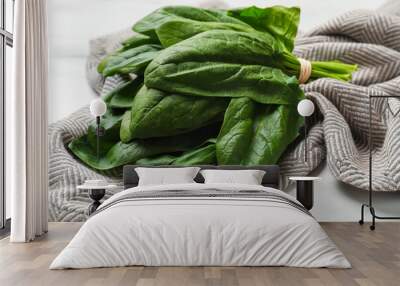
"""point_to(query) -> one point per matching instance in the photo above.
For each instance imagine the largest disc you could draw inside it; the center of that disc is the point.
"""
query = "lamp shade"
(305, 107)
(98, 107)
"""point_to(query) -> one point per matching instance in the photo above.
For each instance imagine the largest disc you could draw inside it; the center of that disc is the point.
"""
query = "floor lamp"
(305, 108)
(305, 184)
(98, 108)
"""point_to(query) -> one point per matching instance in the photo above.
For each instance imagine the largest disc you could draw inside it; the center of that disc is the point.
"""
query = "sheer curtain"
(26, 123)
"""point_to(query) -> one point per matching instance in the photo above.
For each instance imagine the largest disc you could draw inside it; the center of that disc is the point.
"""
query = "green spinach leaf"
(254, 134)
(279, 21)
(128, 153)
(134, 60)
(122, 96)
(204, 155)
(157, 114)
(149, 24)
(262, 84)
(137, 40)
(175, 31)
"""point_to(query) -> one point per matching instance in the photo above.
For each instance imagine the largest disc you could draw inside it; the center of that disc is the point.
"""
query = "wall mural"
(188, 85)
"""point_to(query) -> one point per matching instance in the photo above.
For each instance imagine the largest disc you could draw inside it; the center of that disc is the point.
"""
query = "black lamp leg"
(98, 137)
(361, 221)
(305, 140)
(372, 226)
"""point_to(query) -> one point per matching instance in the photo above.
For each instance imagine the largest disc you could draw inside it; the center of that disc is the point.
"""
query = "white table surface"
(304, 178)
(89, 187)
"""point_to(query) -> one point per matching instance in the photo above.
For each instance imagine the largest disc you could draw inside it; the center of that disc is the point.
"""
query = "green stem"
(331, 69)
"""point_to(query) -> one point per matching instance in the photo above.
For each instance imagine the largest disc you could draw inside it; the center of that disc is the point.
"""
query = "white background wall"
(72, 23)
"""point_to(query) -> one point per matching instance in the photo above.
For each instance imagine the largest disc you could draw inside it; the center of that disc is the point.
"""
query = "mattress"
(201, 225)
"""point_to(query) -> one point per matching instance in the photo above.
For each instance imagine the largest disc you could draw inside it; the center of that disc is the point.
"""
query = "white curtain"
(26, 123)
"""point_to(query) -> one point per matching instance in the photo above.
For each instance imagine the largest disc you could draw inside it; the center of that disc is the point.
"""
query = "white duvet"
(200, 231)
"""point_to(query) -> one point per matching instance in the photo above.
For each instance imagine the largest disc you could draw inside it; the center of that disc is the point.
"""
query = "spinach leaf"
(128, 153)
(137, 40)
(200, 156)
(149, 24)
(134, 60)
(279, 21)
(224, 46)
(125, 132)
(122, 96)
(236, 132)
(165, 159)
(254, 134)
(262, 84)
(175, 31)
(224, 64)
(157, 114)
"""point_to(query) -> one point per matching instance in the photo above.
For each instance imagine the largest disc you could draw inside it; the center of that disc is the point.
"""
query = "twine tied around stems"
(305, 70)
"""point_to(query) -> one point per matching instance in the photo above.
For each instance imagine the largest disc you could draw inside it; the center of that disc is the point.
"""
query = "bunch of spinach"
(209, 87)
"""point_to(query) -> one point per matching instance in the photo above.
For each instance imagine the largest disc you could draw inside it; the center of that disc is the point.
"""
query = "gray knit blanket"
(340, 127)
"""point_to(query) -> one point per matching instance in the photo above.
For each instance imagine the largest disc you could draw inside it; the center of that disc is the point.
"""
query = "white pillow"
(165, 176)
(247, 177)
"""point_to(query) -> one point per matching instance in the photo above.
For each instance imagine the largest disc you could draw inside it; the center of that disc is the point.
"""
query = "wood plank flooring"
(375, 257)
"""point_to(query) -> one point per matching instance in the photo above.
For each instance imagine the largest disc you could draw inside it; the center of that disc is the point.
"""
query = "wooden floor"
(375, 257)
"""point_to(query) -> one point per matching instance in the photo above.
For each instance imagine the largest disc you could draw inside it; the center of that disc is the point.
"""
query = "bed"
(201, 224)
